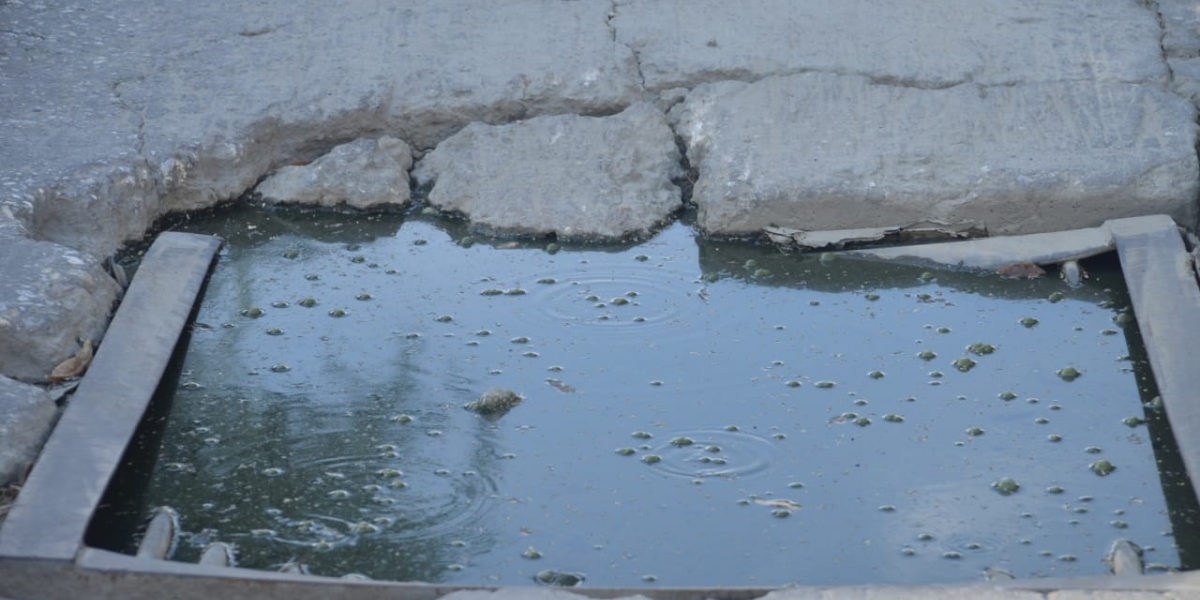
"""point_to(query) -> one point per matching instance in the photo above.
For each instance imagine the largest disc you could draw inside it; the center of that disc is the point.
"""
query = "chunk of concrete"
(27, 413)
(579, 178)
(52, 297)
(930, 45)
(363, 174)
(819, 151)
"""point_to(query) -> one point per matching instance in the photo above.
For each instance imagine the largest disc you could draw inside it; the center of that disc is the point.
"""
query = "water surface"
(814, 422)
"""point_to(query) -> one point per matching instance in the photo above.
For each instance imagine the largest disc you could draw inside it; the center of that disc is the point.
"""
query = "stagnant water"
(694, 414)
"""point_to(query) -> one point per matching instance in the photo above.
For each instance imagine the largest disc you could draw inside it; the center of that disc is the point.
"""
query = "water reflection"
(763, 383)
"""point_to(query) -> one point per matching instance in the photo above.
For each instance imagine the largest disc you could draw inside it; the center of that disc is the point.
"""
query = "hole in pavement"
(692, 413)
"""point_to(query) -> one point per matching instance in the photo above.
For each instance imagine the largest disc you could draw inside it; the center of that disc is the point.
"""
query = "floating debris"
(560, 386)
(1102, 467)
(74, 366)
(1125, 558)
(1006, 486)
(495, 401)
(997, 574)
(1021, 270)
(162, 534)
(559, 578)
(218, 554)
(1068, 373)
(777, 503)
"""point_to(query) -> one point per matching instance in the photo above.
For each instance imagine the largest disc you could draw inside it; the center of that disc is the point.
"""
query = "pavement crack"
(36, 36)
(1153, 6)
(613, 13)
(127, 106)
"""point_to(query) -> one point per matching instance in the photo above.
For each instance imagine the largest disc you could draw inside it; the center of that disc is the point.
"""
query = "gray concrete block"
(820, 151)
(579, 178)
(931, 44)
(52, 296)
(27, 413)
(363, 174)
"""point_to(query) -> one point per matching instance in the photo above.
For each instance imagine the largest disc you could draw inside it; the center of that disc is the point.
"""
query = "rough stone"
(579, 178)
(819, 151)
(52, 296)
(933, 44)
(27, 413)
(363, 174)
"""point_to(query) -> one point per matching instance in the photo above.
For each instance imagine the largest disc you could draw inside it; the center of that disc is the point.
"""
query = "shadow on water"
(696, 413)
(1183, 508)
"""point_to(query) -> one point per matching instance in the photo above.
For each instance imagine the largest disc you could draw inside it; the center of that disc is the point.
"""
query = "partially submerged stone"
(366, 173)
(578, 178)
(821, 151)
(495, 402)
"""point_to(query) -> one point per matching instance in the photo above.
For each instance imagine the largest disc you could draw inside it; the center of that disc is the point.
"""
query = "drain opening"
(695, 413)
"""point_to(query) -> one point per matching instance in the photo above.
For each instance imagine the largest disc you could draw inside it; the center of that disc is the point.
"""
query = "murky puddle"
(694, 414)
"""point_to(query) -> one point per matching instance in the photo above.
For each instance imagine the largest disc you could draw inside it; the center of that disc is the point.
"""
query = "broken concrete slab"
(296, 80)
(934, 45)
(996, 252)
(363, 174)
(53, 297)
(837, 239)
(818, 151)
(578, 178)
(208, 99)
(27, 414)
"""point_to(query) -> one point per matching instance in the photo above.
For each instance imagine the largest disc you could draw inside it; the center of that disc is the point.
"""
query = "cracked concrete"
(117, 115)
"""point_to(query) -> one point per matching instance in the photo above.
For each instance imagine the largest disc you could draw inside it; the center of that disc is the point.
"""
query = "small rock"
(363, 174)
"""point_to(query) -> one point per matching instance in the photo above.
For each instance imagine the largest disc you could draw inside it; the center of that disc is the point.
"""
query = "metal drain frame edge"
(42, 554)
